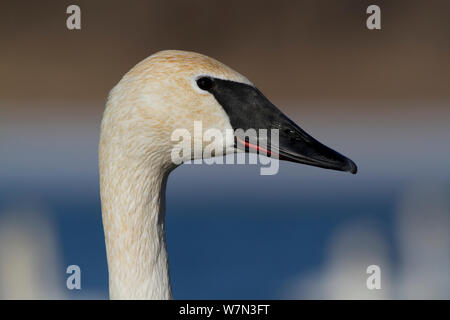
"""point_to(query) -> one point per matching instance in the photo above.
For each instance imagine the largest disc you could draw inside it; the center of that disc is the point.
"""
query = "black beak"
(248, 108)
(298, 146)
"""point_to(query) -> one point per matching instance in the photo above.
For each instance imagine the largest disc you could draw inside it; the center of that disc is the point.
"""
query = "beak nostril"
(290, 133)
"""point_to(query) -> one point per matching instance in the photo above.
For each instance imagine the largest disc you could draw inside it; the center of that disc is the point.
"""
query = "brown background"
(290, 49)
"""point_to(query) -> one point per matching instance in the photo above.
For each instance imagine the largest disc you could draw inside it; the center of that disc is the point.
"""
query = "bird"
(169, 90)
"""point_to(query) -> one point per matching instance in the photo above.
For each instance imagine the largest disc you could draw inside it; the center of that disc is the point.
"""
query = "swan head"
(174, 95)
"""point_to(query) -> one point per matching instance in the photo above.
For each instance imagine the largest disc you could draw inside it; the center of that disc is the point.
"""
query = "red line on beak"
(257, 148)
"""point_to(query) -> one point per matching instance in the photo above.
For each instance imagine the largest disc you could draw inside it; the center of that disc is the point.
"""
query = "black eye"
(205, 83)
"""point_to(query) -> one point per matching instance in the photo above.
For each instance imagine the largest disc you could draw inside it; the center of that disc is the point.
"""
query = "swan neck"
(133, 212)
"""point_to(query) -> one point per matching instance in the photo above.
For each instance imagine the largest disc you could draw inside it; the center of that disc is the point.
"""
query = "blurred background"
(381, 97)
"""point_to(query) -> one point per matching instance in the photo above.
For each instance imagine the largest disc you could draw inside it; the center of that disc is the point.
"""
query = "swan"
(168, 90)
